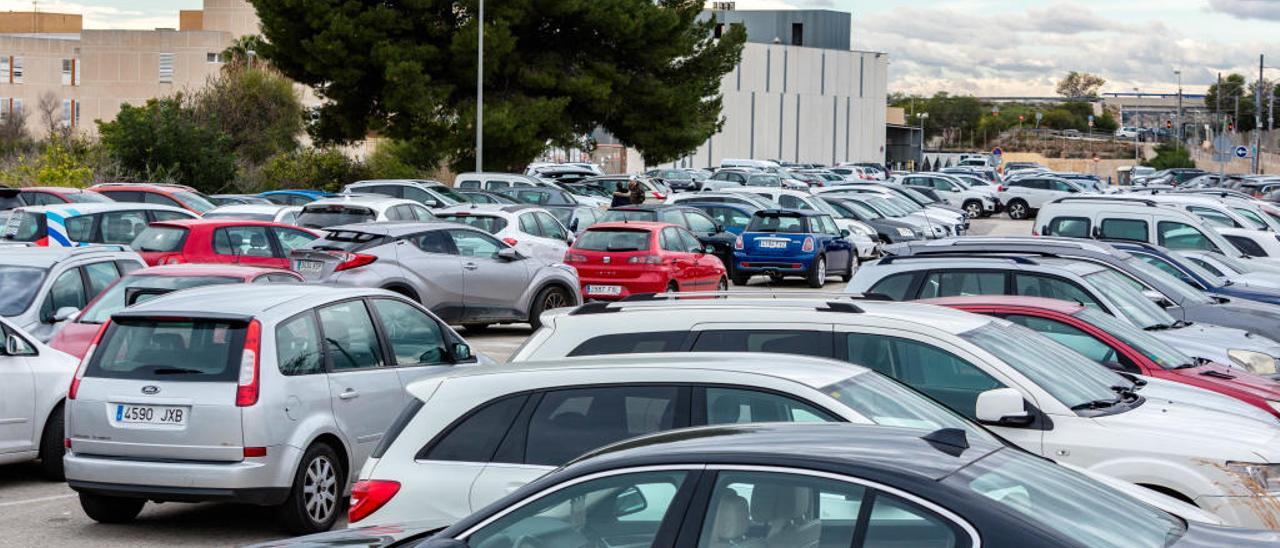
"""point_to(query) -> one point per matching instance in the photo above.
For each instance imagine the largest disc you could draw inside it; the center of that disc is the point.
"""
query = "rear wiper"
(326, 248)
(165, 370)
(618, 249)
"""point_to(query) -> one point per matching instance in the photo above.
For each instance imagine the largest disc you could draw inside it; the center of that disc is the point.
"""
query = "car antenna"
(951, 441)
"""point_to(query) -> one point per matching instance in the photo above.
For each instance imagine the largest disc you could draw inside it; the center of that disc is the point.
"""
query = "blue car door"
(839, 249)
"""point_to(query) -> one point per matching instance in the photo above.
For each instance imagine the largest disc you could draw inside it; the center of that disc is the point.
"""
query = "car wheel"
(550, 297)
(1018, 210)
(723, 285)
(848, 271)
(741, 279)
(818, 272)
(51, 445)
(316, 496)
(673, 287)
(476, 327)
(104, 509)
(973, 209)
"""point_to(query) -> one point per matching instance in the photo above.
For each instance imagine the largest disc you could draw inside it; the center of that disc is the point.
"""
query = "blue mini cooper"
(784, 242)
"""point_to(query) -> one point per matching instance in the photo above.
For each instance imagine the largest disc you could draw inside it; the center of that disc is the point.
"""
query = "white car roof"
(79, 209)
(506, 211)
(376, 201)
(258, 301)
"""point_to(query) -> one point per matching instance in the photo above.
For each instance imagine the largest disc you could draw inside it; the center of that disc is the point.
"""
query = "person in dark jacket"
(621, 196)
(636, 191)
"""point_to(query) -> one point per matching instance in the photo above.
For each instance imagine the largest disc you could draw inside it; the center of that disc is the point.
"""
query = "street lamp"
(480, 92)
(1181, 137)
(924, 116)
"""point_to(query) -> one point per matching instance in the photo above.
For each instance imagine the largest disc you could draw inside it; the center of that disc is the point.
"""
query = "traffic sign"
(1242, 151)
(997, 152)
(1039, 116)
(1223, 144)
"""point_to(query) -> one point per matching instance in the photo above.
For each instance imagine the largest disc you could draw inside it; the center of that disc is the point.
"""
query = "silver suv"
(41, 287)
(461, 273)
(267, 395)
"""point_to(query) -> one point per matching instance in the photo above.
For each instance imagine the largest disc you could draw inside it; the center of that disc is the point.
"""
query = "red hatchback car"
(1120, 346)
(181, 196)
(74, 336)
(48, 195)
(615, 260)
(236, 241)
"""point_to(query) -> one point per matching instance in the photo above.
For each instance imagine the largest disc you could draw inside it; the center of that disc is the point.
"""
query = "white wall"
(840, 97)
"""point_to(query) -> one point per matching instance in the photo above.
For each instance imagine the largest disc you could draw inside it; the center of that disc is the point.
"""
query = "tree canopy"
(163, 140)
(1080, 84)
(554, 70)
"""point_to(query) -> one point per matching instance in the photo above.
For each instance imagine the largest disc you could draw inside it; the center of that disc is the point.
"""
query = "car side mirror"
(509, 254)
(461, 352)
(432, 203)
(65, 313)
(1157, 297)
(719, 227)
(629, 501)
(845, 232)
(1002, 407)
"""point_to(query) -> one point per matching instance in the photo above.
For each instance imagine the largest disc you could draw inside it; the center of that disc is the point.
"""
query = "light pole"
(1178, 73)
(924, 117)
(480, 92)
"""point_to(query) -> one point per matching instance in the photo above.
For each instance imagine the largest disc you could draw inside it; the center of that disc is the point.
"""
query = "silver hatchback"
(253, 394)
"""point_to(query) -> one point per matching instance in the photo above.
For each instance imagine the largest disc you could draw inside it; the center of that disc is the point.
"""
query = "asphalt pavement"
(42, 513)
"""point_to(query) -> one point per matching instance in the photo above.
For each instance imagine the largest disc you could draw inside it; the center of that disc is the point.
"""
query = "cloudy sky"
(984, 47)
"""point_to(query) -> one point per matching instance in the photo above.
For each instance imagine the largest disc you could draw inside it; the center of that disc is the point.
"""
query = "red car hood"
(1233, 378)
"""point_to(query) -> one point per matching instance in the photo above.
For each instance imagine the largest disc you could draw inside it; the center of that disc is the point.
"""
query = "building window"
(10, 69)
(71, 72)
(213, 58)
(166, 68)
(797, 34)
(70, 113)
(9, 105)
(719, 32)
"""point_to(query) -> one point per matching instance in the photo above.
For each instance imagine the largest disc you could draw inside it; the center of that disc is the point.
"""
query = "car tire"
(722, 285)
(973, 208)
(673, 287)
(552, 296)
(318, 470)
(1018, 210)
(848, 270)
(51, 445)
(817, 276)
(741, 279)
(104, 509)
(476, 327)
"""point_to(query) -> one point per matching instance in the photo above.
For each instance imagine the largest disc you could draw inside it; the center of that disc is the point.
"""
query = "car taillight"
(88, 355)
(367, 496)
(645, 259)
(354, 260)
(737, 244)
(575, 258)
(1000, 188)
(808, 245)
(510, 241)
(247, 386)
(171, 259)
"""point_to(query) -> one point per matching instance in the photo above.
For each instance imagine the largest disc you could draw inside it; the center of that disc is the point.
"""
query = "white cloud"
(1268, 10)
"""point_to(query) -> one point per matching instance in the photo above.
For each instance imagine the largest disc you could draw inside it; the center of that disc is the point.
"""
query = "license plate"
(773, 244)
(151, 414)
(310, 267)
(604, 290)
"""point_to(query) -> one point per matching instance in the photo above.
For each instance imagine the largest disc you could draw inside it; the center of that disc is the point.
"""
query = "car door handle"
(348, 394)
(470, 266)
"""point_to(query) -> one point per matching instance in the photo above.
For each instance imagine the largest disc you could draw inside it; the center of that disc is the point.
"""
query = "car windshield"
(1185, 294)
(487, 223)
(904, 204)
(888, 207)
(1153, 348)
(243, 216)
(194, 201)
(764, 180)
(862, 209)
(916, 196)
(1071, 378)
(886, 402)
(613, 239)
(1133, 304)
(18, 287)
(1063, 500)
(620, 215)
(326, 215)
(451, 196)
(86, 197)
(113, 299)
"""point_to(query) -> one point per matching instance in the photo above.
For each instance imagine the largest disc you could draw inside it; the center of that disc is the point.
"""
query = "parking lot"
(39, 512)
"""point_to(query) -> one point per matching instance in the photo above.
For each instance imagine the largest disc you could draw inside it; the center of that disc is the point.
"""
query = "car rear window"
(348, 240)
(21, 226)
(486, 223)
(268, 217)
(785, 224)
(187, 350)
(615, 239)
(327, 215)
(86, 197)
(160, 238)
(620, 215)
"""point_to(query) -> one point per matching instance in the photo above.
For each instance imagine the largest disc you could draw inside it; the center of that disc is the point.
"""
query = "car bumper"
(1261, 512)
(645, 283)
(256, 481)
(867, 247)
(771, 265)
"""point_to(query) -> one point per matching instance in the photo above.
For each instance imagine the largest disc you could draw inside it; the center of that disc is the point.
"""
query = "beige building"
(63, 75)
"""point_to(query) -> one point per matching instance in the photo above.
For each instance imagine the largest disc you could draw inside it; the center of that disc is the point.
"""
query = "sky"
(980, 47)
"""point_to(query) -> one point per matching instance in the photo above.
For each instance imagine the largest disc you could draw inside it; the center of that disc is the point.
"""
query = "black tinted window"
(807, 343)
(1246, 245)
(632, 343)
(476, 437)
(193, 351)
(568, 423)
(1124, 229)
(1068, 227)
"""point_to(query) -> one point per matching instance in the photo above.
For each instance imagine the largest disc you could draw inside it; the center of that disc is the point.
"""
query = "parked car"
(179, 196)
(72, 225)
(233, 241)
(533, 231)
(1118, 217)
(862, 236)
(295, 197)
(47, 195)
(274, 213)
(1242, 272)
(905, 202)
(782, 242)
(494, 182)
(655, 191)
(1024, 196)
(888, 230)
(708, 232)
(677, 179)
(732, 216)
(745, 199)
(231, 393)
(74, 336)
(577, 218)
(541, 196)
(238, 199)
(443, 455)
(460, 273)
(432, 194)
(1189, 267)
(1121, 346)
(351, 209)
(999, 266)
(485, 197)
(1100, 421)
(35, 380)
(976, 202)
(40, 287)
(617, 260)
(1130, 133)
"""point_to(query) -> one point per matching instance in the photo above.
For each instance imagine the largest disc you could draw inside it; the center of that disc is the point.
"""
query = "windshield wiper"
(1158, 327)
(1096, 404)
(1180, 324)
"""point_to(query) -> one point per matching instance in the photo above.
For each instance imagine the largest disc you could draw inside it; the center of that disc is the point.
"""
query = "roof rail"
(835, 302)
(969, 253)
(1148, 203)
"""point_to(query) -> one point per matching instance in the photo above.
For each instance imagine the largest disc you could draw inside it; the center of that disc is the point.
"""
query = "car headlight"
(1266, 476)
(905, 232)
(863, 230)
(1255, 362)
